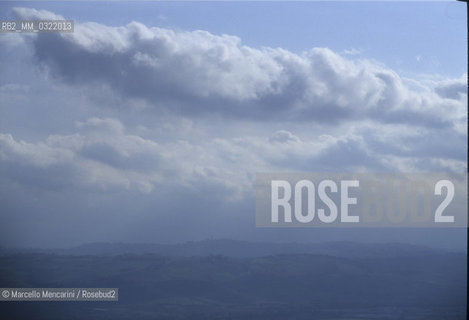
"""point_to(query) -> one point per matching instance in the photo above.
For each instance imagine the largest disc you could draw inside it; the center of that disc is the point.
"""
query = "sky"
(149, 122)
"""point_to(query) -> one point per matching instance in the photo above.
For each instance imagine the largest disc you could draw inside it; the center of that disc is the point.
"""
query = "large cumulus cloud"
(199, 73)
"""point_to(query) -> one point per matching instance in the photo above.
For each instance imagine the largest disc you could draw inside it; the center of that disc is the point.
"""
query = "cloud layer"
(164, 129)
(371, 118)
(197, 73)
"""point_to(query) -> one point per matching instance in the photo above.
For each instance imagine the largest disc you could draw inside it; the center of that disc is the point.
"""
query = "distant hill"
(243, 249)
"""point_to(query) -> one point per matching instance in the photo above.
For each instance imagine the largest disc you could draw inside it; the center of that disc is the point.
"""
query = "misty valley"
(224, 279)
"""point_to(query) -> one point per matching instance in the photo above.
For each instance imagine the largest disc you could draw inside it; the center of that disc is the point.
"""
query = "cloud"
(196, 73)
(283, 136)
(352, 52)
(34, 14)
(452, 88)
(103, 154)
(375, 120)
(100, 155)
(164, 129)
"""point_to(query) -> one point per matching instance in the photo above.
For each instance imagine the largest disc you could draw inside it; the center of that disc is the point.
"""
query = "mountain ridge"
(241, 249)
